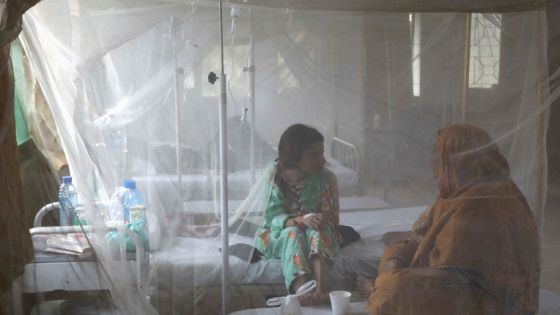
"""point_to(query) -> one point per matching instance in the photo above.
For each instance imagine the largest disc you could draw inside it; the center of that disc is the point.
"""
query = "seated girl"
(302, 213)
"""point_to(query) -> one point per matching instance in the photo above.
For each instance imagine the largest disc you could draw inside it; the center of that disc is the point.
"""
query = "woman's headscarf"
(466, 155)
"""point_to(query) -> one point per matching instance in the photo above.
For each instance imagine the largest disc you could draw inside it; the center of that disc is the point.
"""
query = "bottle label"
(137, 212)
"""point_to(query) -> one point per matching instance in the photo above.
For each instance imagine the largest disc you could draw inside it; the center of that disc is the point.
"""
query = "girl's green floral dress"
(295, 245)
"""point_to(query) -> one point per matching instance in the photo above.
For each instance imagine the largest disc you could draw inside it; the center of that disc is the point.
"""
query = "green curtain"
(20, 97)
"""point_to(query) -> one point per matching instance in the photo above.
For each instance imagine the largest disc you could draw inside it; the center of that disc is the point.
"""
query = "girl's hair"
(294, 141)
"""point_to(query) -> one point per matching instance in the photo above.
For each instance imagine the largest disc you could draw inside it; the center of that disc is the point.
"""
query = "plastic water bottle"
(134, 213)
(134, 208)
(68, 200)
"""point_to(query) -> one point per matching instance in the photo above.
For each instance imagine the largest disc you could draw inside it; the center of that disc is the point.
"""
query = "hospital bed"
(179, 274)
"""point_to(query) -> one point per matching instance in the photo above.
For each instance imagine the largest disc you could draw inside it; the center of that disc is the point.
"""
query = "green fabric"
(139, 227)
(296, 245)
(20, 100)
(22, 131)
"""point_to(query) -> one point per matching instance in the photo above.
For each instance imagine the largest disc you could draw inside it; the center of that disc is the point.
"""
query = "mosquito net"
(134, 92)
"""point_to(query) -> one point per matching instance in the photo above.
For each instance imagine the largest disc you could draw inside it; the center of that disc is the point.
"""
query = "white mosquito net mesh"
(127, 83)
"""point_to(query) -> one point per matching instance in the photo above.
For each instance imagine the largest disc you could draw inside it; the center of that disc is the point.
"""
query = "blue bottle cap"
(67, 179)
(129, 183)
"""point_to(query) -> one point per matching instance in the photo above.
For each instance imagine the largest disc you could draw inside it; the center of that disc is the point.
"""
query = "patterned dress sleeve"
(275, 214)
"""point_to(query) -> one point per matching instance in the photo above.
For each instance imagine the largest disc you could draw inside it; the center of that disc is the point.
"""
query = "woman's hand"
(315, 221)
(392, 264)
(398, 255)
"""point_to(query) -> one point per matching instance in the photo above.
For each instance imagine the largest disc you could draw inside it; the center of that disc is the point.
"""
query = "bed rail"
(346, 153)
(142, 257)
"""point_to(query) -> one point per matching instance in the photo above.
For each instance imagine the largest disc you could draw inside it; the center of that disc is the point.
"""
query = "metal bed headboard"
(346, 153)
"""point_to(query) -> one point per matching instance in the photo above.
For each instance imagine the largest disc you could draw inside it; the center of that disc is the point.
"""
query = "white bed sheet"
(359, 258)
(203, 269)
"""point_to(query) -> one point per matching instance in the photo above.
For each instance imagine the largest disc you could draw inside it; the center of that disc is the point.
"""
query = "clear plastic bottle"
(68, 199)
(134, 213)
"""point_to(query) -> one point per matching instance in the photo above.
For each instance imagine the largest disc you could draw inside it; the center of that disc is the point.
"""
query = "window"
(484, 63)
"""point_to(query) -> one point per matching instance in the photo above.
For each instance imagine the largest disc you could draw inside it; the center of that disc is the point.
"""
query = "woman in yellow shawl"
(475, 250)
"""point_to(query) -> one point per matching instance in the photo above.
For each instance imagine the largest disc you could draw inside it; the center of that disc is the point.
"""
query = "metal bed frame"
(50, 272)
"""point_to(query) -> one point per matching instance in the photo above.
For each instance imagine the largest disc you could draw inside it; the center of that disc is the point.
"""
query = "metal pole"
(251, 70)
(388, 78)
(177, 72)
(223, 173)
(466, 66)
(541, 149)
(541, 136)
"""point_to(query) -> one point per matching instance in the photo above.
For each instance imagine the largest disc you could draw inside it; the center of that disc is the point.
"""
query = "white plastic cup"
(340, 301)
